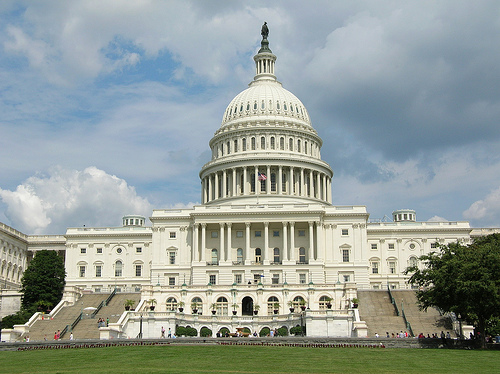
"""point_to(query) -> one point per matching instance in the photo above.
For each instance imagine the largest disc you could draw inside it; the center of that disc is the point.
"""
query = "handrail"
(408, 324)
(75, 322)
(393, 301)
(110, 297)
(99, 307)
(103, 303)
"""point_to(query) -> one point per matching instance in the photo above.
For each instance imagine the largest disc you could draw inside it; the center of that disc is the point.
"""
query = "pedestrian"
(162, 333)
(107, 322)
(71, 337)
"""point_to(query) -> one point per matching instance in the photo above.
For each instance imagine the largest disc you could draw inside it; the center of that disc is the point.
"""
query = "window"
(302, 255)
(83, 250)
(276, 233)
(212, 279)
(236, 146)
(238, 278)
(302, 278)
(347, 278)
(323, 301)
(258, 234)
(290, 144)
(282, 144)
(273, 143)
(275, 279)
(118, 268)
(243, 144)
(196, 303)
(302, 232)
(171, 281)
(298, 301)
(215, 257)
(222, 306)
(391, 245)
(345, 255)
(138, 250)
(392, 267)
(214, 234)
(434, 245)
(119, 250)
(239, 255)
(239, 234)
(262, 143)
(257, 278)
(374, 246)
(172, 234)
(345, 232)
(413, 261)
(98, 271)
(138, 270)
(270, 304)
(258, 255)
(273, 182)
(374, 265)
(82, 271)
(171, 258)
(99, 250)
(171, 304)
(253, 143)
(276, 255)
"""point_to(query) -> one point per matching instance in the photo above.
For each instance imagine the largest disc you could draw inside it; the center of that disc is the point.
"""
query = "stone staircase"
(87, 328)
(429, 322)
(376, 310)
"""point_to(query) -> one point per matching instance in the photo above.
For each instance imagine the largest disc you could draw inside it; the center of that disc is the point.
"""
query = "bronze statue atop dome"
(264, 31)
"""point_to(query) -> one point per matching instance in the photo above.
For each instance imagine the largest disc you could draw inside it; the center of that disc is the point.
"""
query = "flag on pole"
(262, 177)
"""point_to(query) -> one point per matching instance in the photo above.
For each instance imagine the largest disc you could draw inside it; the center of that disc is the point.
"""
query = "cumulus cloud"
(65, 198)
(437, 219)
(486, 210)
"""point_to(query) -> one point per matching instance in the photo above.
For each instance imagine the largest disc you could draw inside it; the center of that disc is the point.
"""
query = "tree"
(43, 281)
(462, 279)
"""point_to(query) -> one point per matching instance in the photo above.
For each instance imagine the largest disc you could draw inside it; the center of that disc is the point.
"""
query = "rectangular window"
(374, 267)
(347, 278)
(171, 258)
(98, 271)
(171, 281)
(238, 278)
(138, 270)
(276, 233)
(275, 279)
(83, 250)
(345, 255)
(82, 271)
(214, 234)
(172, 235)
(302, 232)
(391, 245)
(302, 278)
(345, 232)
(138, 250)
(213, 278)
(434, 245)
(258, 234)
(239, 234)
(374, 246)
(392, 267)
(257, 278)
(99, 250)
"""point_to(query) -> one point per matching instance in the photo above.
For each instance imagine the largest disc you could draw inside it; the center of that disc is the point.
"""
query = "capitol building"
(265, 240)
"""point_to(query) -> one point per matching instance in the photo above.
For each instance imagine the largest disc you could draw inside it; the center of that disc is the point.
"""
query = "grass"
(247, 359)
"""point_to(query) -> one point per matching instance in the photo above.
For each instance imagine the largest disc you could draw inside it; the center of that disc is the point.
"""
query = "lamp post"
(460, 335)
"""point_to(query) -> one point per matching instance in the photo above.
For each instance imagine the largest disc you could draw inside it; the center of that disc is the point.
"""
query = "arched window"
(290, 144)
(262, 142)
(413, 261)
(171, 304)
(239, 255)
(323, 301)
(271, 304)
(235, 146)
(283, 182)
(253, 143)
(118, 268)
(374, 265)
(282, 143)
(298, 146)
(222, 149)
(298, 301)
(258, 255)
(215, 257)
(222, 306)
(244, 144)
(252, 183)
(276, 255)
(305, 147)
(228, 148)
(273, 182)
(273, 144)
(196, 303)
(302, 255)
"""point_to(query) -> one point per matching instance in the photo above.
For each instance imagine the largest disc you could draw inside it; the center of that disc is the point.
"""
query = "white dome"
(265, 98)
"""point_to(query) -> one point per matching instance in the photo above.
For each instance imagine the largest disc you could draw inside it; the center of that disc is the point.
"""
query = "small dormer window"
(284, 106)
(248, 106)
(263, 105)
(255, 106)
(278, 105)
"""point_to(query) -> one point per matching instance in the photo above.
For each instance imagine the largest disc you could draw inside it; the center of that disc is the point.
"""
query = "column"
(245, 183)
(257, 182)
(302, 184)
(280, 180)
(203, 241)
(224, 184)
(329, 192)
(266, 243)
(234, 193)
(312, 255)
(290, 181)
(320, 246)
(292, 242)
(229, 256)
(222, 250)
(324, 187)
(216, 175)
(210, 188)
(318, 195)
(311, 192)
(248, 259)
(285, 241)
(268, 180)
(194, 254)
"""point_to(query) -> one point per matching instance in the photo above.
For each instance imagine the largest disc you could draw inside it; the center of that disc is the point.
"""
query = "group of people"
(103, 322)
(170, 335)
(57, 335)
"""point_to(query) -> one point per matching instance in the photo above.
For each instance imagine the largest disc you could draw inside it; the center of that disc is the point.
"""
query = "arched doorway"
(247, 306)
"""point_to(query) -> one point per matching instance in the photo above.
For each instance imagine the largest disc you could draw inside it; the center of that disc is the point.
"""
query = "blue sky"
(107, 107)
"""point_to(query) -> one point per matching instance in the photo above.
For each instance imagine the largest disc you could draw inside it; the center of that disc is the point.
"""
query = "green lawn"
(248, 359)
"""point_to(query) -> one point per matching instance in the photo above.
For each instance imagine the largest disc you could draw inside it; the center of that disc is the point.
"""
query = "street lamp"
(460, 326)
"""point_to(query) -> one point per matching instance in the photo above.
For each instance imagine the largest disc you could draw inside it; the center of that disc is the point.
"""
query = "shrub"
(205, 332)
(283, 331)
(264, 332)
(191, 331)
(297, 330)
(180, 331)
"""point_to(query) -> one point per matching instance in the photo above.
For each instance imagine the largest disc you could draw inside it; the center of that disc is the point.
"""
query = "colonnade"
(266, 180)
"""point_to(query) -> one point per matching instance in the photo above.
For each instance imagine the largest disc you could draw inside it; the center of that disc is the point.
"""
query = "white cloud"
(437, 219)
(65, 198)
(486, 210)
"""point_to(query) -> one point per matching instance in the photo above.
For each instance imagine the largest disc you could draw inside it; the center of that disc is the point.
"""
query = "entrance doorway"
(247, 306)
